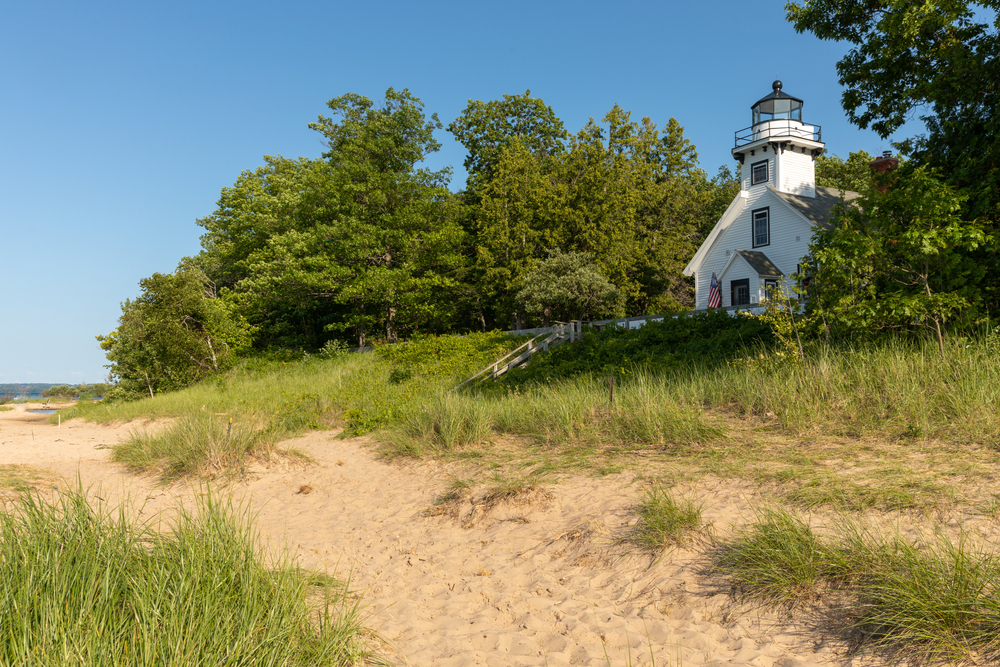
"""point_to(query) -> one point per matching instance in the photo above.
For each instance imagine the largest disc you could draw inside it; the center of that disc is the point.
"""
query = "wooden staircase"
(548, 337)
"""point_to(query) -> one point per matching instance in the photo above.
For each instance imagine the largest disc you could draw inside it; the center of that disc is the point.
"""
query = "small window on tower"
(758, 172)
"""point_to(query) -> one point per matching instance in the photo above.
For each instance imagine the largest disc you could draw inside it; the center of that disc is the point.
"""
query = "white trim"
(728, 265)
(735, 209)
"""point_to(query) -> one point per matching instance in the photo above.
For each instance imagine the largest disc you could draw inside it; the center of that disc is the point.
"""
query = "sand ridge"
(532, 584)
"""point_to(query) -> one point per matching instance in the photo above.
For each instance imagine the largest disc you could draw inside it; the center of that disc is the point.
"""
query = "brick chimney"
(883, 164)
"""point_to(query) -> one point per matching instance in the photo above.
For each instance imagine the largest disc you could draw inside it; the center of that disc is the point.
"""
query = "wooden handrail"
(496, 363)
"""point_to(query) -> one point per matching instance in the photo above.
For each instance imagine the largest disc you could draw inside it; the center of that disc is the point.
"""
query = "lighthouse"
(762, 239)
(779, 148)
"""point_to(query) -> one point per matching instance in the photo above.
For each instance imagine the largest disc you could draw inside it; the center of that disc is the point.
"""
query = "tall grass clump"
(85, 585)
(664, 519)
(932, 599)
(197, 444)
(572, 411)
(778, 559)
(894, 388)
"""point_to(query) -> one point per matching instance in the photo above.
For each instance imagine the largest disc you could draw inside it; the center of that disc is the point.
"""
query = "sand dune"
(523, 584)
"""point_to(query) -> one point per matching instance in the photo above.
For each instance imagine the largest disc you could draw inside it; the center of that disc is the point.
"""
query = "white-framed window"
(758, 172)
(761, 227)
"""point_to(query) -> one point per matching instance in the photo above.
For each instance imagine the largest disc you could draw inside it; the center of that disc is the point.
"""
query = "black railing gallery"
(778, 128)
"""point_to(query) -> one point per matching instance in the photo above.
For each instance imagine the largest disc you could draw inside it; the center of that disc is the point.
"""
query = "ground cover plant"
(87, 585)
(933, 598)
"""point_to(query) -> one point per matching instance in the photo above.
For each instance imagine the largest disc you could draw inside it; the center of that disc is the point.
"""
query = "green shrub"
(704, 338)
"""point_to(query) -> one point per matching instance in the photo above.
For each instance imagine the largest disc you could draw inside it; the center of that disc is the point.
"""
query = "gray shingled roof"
(759, 262)
(816, 209)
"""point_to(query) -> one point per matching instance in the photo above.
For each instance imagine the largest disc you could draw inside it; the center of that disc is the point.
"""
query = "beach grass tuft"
(87, 585)
(664, 519)
(932, 598)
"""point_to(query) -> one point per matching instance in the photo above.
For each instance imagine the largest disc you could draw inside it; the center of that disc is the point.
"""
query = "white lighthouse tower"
(760, 241)
(778, 148)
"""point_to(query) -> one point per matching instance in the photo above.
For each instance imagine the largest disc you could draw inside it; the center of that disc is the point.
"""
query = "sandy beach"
(543, 582)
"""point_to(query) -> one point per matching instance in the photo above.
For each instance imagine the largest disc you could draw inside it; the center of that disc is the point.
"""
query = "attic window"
(758, 172)
(761, 227)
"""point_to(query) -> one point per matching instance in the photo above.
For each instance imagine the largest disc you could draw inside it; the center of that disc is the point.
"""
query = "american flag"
(714, 295)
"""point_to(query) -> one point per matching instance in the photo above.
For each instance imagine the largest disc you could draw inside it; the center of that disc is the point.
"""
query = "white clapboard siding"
(797, 173)
(789, 243)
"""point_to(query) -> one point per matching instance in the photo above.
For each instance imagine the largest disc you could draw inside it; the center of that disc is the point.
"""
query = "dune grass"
(934, 599)
(903, 393)
(664, 520)
(86, 585)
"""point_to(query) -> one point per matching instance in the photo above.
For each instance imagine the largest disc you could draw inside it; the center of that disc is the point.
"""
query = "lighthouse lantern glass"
(775, 109)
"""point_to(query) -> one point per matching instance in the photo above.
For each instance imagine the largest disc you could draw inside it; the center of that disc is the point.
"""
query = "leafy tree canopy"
(567, 286)
(487, 129)
(937, 57)
(175, 333)
(897, 259)
(853, 174)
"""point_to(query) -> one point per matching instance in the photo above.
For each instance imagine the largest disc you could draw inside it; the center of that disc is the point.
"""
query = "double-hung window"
(758, 172)
(761, 227)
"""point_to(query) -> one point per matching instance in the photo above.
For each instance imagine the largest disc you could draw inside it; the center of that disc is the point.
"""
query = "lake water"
(43, 412)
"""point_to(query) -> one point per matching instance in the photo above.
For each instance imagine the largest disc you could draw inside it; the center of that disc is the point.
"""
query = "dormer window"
(758, 172)
(761, 227)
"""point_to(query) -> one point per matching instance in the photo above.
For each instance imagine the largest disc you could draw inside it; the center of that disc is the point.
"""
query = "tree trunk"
(546, 316)
(361, 327)
(215, 363)
(390, 325)
(148, 384)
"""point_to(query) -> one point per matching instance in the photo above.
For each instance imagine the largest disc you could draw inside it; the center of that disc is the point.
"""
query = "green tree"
(175, 333)
(941, 60)
(487, 129)
(896, 260)
(853, 174)
(567, 286)
(361, 239)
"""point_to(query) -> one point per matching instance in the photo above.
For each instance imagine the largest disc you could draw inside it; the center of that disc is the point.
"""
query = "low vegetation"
(851, 427)
(935, 599)
(86, 585)
(664, 520)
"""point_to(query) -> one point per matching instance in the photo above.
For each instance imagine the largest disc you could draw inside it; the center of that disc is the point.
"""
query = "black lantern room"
(777, 106)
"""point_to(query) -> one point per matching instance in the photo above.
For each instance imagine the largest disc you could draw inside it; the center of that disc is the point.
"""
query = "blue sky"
(121, 122)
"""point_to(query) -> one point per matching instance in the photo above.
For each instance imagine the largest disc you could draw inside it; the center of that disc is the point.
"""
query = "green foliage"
(487, 129)
(897, 260)
(567, 286)
(940, 58)
(627, 193)
(359, 240)
(89, 586)
(700, 339)
(851, 175)
(82, 391)
(452, 358)
(175, 333)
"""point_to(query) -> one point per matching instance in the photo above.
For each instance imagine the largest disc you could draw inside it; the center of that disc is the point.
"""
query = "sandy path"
(527, 585)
